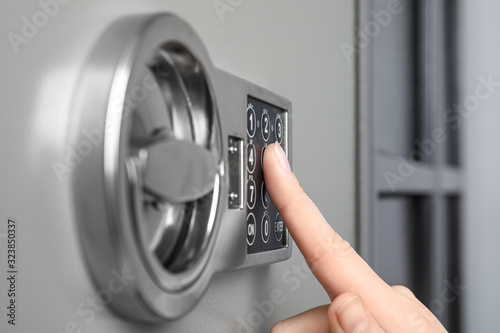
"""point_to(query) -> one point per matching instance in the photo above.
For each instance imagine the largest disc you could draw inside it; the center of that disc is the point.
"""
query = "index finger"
(332, 260)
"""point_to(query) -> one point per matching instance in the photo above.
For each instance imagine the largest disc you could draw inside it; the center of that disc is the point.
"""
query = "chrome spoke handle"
(179, 171)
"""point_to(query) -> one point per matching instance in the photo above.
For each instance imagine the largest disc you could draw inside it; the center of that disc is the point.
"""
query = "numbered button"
(278, 227)
(251, 157)
(264, 195)
(264, 230)
(266, 126)
(251, 122)
(262, 153)
(251, 193)
(279, 130)
(251, 229)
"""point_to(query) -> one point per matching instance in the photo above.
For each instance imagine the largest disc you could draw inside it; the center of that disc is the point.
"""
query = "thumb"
(349, 314)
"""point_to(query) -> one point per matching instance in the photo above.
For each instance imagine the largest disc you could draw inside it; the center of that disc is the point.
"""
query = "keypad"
(266, 124)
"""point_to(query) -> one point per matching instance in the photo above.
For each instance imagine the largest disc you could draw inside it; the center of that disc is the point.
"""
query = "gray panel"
(402, 242)
(392, 245)
(480, 56)
(393, 63)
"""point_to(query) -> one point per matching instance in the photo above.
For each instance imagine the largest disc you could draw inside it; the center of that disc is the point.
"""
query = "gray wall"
(480, 57)
(290, 47)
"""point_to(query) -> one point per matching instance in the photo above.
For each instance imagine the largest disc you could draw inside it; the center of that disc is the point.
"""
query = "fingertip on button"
(281, 156)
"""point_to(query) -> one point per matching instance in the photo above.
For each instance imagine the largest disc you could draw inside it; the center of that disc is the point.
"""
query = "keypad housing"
(266, 124)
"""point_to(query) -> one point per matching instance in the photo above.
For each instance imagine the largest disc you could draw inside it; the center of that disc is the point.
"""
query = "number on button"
(252, 195)
(279, 130)
(265, 126)
(265, 228)
(251, 122)
(251, 158)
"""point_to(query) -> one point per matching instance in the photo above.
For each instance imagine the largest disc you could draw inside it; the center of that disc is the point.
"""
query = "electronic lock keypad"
(171, 189)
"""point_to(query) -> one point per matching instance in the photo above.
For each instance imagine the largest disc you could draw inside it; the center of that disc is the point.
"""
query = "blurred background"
(427, 93)
(395, 127)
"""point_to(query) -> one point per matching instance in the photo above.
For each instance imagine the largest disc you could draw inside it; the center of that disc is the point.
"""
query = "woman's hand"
(361, 300)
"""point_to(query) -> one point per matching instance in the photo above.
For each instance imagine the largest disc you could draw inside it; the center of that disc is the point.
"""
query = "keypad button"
(252, 157)
(279, 130)
(262, 153)
(251, 193)
(251, 122)
(265, 126)
(264, 195)
(264, 228)
(251, 229)
(278, 227)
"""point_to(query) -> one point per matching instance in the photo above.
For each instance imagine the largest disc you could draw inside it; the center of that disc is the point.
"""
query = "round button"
(252, 155)
(279, 130)
(251, 122)
(266, 126)
(278, 227)
(264, 228)
(264, 195)
(251, 193)
(251, 225)
(262, 153)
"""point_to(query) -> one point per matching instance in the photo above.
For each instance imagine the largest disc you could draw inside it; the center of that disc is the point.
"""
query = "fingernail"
(280, 154)
(351, 316)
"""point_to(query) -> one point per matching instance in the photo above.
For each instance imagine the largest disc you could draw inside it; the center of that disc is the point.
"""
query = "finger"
(349, 314)
(404, 291)
(314, 320)
(331, 259)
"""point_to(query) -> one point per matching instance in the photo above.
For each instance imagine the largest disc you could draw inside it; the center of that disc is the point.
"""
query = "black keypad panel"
(266, 124)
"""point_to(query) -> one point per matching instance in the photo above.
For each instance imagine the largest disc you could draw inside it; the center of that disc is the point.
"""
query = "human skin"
(361, 301)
